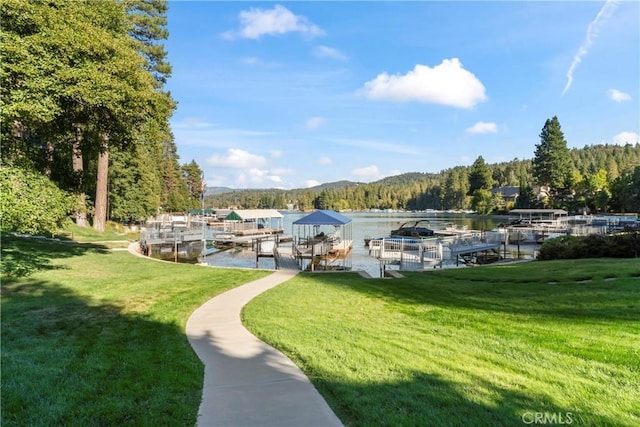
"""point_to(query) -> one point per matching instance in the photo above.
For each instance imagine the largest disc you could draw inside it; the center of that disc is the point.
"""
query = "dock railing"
(408, 254)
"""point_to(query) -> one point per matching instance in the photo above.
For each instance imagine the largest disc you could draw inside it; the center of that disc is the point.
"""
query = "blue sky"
(294, 94)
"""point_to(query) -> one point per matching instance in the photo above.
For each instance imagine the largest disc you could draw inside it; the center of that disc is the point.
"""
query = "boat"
(416, 229)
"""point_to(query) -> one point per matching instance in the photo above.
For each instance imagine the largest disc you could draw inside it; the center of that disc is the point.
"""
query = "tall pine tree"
(552, 164)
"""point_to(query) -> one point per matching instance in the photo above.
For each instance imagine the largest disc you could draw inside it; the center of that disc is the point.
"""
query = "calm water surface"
(364, 224)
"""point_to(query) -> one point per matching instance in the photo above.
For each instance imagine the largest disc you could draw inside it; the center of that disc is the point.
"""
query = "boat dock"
(468, 247)
(324, 254)
(470, 252)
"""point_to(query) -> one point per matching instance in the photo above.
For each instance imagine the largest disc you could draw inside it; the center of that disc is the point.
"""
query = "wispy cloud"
(447, 83)
(194, 132)
(592, 31)
(329, 52)
(483, 127)
(618, 96)
(255, 23)
(378, 146)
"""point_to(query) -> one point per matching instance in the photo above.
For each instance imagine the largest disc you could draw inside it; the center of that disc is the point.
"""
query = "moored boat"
(417, 229)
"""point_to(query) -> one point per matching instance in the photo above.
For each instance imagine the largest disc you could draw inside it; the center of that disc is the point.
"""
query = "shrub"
(624, 245)
(31, 202)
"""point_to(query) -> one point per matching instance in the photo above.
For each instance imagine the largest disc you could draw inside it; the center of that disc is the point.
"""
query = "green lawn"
(482, 346)
(94, 337)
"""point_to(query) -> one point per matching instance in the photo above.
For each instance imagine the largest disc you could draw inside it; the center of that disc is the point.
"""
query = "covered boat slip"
(245, 222)
(323, 240)
(243, 227)
(537, 225)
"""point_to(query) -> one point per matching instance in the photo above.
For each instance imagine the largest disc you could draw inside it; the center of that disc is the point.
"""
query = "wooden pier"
(269, 247)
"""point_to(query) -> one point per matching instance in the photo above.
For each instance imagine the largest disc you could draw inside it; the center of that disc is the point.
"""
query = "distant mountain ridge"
(337, 185)
(210, 191)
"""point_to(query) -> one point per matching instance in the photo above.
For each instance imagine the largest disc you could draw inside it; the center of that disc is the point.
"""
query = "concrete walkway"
(246, 382)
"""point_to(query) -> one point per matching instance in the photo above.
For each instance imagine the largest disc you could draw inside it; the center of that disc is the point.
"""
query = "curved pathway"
(247, 382)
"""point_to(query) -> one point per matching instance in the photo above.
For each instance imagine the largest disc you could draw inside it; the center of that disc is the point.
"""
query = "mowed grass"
(95, 337)
(489, 346)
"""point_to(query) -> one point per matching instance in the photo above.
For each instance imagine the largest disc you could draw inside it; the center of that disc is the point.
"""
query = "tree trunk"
(100, 214)
(78, 171)
(49, 157)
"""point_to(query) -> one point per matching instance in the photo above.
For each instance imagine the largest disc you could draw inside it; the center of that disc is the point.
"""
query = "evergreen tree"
(192, 175)
(552, 164)
(480, 176)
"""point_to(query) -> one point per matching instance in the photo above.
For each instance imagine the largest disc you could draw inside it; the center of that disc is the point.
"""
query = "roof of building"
(538, 211)
(507, 191)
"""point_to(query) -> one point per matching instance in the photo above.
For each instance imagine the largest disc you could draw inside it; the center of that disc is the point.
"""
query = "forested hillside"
(602, 178)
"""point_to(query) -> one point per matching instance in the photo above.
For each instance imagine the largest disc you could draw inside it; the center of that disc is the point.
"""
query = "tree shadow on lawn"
(428, 399)
(22, 256)
(423, 399)
(68, 360)
(599, 300)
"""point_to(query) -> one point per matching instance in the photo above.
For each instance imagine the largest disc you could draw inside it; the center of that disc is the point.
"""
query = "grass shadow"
(70, 360)
(427, 399)
(21, 257)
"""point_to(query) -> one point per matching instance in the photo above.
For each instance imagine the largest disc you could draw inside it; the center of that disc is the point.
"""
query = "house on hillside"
(509, 193)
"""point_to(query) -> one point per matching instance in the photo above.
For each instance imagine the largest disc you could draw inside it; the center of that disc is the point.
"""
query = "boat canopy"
(252, 214)
(543, 213)
(323, 217)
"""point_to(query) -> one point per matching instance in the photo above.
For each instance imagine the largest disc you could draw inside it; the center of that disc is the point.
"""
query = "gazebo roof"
(323, 217)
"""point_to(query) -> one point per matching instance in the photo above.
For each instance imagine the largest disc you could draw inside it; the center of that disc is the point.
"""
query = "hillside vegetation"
(604, 178)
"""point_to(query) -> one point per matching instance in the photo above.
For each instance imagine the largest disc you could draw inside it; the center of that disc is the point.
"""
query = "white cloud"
(592, 31)
(447, 84)
(618, 96)
(276, 154)
(367, 173)
(624, 138)
(255, 177)
(255, 23)
(236, 158)
(329, 52)
(314, 122)
(483, 127)
(311, 183)
(324, 161)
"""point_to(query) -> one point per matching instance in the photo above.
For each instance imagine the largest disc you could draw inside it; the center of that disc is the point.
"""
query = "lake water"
(364, 224)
